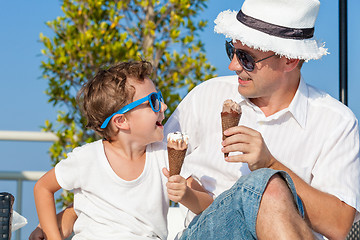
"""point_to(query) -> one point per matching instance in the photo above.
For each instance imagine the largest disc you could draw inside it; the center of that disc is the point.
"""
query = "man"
(285, 123)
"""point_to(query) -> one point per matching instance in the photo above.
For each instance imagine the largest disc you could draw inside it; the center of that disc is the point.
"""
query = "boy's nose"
(163, 107)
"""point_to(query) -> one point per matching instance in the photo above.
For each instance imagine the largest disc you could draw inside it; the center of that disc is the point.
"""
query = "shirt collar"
(298, 106)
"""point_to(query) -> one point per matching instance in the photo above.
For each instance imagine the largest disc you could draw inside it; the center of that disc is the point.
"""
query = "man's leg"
(278, 216)
(233, 214)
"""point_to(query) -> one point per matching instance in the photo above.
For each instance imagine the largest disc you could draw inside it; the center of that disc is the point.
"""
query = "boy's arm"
(65, 219)
(187, 192)
(45, 205)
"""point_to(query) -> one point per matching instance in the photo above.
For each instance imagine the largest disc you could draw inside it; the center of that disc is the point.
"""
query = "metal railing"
(22, 176)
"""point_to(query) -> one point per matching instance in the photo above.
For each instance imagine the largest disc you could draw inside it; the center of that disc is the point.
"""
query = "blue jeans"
(233, 213)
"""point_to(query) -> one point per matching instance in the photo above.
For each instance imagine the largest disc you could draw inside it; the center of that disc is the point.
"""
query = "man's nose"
(235, 65)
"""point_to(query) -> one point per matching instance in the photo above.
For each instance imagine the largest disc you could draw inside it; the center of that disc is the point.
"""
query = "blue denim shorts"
(233, 213)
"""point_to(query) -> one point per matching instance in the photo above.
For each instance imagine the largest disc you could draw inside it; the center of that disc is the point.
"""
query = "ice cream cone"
(176, 160)
(177, 146)
(230, 117)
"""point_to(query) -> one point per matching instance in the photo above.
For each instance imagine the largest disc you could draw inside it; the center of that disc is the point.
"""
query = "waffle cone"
(229, 120)
(176, 159)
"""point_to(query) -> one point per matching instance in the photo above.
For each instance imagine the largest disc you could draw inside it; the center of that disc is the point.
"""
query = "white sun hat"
(285, 27)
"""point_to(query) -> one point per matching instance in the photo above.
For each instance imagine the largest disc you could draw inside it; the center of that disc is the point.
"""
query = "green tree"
(96, 33)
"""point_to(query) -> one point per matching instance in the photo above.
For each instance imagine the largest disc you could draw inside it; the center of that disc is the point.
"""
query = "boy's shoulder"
(158, 151)
(156, 147)
(89, 148)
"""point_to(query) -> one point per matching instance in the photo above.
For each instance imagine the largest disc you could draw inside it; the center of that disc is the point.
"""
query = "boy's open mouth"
(158, 123)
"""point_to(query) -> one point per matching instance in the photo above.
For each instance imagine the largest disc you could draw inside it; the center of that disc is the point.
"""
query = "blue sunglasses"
(154, 99)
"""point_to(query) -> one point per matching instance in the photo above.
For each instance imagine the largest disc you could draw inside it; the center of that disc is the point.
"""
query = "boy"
(119, 190)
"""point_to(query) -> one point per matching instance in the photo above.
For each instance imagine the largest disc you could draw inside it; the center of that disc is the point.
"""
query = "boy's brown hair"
(109, 91)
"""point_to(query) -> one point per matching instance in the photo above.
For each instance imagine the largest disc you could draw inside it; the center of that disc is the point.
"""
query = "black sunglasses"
(245, 59)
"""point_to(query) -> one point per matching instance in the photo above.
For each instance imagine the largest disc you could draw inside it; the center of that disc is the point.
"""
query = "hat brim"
(306, 49)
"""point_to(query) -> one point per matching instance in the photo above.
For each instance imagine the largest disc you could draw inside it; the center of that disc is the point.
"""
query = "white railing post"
(19, 203)
(19, 196)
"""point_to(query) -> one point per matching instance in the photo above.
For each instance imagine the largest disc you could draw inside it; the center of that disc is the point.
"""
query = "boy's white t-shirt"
(109, 207)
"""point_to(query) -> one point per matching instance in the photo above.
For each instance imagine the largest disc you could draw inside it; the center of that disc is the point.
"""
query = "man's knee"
(277, 192)
(277, 187)
(280, 215)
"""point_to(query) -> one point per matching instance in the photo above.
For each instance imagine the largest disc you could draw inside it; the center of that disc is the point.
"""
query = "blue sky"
(24, 107)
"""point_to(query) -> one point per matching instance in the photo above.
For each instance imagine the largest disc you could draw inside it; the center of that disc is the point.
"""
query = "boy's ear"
(121, 122)
(290, 64)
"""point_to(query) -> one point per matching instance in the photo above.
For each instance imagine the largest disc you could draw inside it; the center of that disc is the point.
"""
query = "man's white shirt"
(316, 136)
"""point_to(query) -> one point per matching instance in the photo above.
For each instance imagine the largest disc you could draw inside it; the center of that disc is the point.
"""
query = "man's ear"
(290, 64)
(121, 122)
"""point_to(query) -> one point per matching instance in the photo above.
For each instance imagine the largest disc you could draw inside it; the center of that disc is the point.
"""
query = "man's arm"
(325, 213)
(65, 219)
